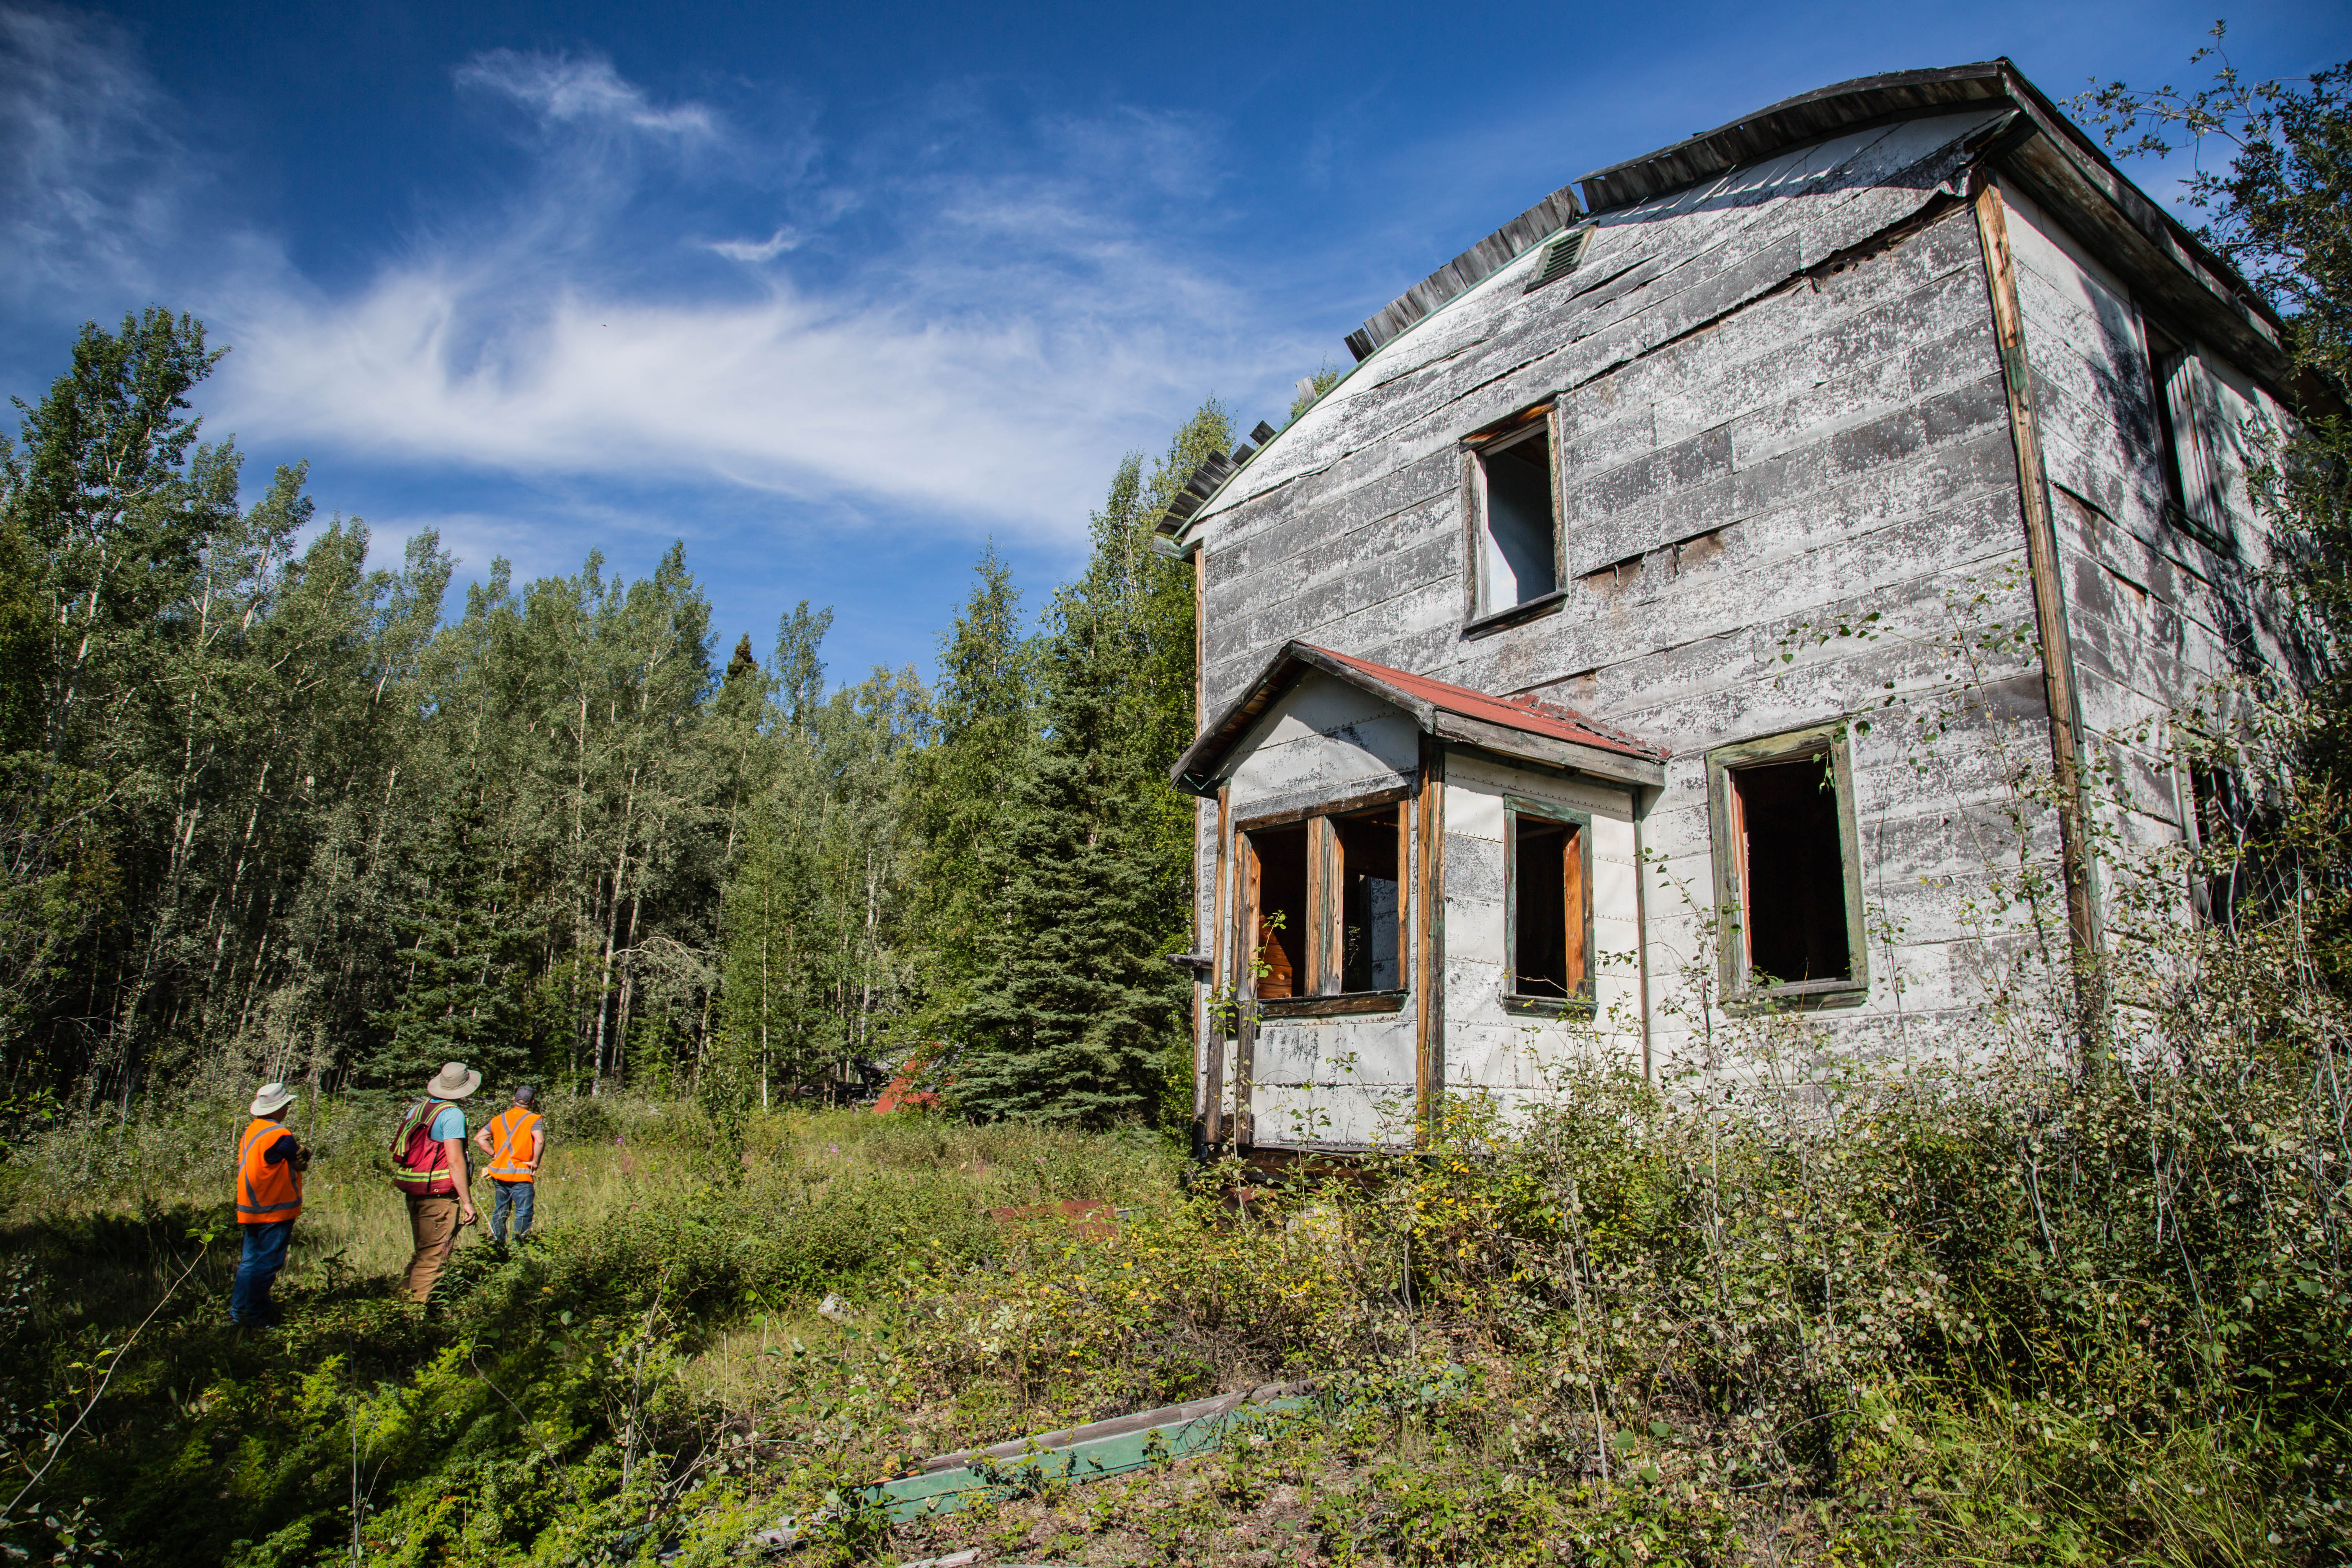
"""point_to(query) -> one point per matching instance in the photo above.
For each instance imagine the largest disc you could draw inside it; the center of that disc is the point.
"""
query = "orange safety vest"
(420, 1165)
(510, 1132)
(266, 1194)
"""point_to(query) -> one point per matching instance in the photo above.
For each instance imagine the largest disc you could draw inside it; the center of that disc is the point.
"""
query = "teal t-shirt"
(449, 1123)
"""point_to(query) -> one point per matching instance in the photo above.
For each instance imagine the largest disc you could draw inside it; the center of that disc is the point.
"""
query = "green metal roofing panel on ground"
(1089, 1453)
(1093, 1452)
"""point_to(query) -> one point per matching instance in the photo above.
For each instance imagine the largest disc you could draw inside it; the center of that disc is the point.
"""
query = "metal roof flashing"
(1808, 117)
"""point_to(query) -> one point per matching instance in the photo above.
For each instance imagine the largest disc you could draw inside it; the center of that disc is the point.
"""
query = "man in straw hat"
(270, 1165)
(429, 1164)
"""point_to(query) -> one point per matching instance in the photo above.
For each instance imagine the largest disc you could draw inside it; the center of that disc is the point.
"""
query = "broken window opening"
(1280, 912)
(2165, 358)
(1325, 911)
(2221, 820)
(1372, 900)
(1788, 833)
(1550, 912)
(2235, 875)
(1518, 520)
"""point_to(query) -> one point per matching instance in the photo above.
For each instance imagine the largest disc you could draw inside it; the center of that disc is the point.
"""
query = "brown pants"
(433, 1223)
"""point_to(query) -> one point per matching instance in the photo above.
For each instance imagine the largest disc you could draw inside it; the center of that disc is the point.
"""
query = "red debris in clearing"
(902, 1095)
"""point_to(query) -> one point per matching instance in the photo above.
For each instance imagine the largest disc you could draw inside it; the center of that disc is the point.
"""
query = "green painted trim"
(1740, 995)
(1582, 1009)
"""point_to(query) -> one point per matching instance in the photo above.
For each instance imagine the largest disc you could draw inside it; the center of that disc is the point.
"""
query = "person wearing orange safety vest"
(269, 1164)
(515, 1140)
(430, 1167)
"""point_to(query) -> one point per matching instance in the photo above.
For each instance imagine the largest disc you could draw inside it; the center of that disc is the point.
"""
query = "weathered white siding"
(1488, 1048)
(2156, 613)
(1335, 1082)
(1326, 1081)
(1756, 447)
(1321, 742)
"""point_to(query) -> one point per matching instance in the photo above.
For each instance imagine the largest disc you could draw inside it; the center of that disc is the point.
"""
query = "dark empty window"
(1280, 911)
(2166, 359)
(1787, 832)
(2235, 873)
(1548, 910)
(1518, 529)
(1372, 906)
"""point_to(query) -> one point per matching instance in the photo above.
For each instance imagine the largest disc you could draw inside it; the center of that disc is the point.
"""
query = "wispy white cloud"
(581, 90)
(758, 250)
(973, 342)
(93, 182)
(1003, 421)
(961, 326)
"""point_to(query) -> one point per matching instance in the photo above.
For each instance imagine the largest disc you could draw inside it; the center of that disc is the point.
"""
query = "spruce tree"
(1070, 1022)
(459, 996)
(984, 701)
(1078, 1015)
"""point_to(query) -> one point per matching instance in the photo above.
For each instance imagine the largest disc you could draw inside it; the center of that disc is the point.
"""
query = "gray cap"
(526, 1095)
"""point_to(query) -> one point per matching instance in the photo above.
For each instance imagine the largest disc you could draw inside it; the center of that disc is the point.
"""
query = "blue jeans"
(265, 1255)
(515, 1196)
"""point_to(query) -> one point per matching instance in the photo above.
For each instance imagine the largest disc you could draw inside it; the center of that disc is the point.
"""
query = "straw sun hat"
(456, 1082)
(272, 1097)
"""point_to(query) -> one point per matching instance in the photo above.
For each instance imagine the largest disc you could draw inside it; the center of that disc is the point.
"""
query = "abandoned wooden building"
(1618, 646)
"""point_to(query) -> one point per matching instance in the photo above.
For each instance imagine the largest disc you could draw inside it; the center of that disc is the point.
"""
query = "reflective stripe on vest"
(266, 1194)
(420, 1164)
(510, 1145)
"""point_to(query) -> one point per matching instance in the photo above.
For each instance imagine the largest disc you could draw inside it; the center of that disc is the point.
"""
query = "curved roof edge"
(1466, 271)
(1809, 117)
(2049, 153)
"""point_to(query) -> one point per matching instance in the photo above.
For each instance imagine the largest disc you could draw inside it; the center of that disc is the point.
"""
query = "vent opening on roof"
(1560, 257)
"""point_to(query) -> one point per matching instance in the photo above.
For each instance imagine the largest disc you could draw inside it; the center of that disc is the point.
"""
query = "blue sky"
(840, 294)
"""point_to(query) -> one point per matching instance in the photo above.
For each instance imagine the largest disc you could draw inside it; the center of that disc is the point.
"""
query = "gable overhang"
(1515, 728)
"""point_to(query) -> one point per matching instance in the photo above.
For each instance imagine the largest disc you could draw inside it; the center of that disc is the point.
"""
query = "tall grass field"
(1796, 1312)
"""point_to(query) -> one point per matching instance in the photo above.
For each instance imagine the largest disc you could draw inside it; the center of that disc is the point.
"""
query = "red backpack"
(420, 1165)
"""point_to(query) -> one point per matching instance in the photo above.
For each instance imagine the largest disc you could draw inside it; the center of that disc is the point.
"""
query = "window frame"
(1326, 911)
(1740, 993)
(2188, 447)
(1584, 1005)
(1541, 419)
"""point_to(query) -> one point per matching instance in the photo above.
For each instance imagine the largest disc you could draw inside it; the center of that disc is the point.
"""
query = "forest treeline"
(266, 810)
